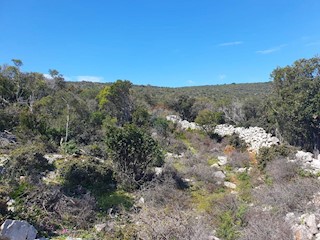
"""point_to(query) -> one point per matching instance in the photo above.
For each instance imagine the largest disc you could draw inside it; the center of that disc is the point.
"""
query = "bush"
(48, 208)
(133, 152)
(90, 174)
(154, 223)
(28, 161)
(289, 196)
(280, 170)
(268, 154)
(239, 159)
(236, 142)
(229, 216)
(265, 225)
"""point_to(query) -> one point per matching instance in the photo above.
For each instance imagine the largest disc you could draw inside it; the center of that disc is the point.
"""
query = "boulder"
(17, 230)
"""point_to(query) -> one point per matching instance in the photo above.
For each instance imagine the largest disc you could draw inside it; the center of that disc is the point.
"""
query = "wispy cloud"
(271, 50)
(87, 78)
(222, 76)
(226, 44)
(191, 82)
(313, 44)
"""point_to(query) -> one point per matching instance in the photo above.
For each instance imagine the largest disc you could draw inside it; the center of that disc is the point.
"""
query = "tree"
(183, 105)
(58, 79)
(208, 120)
(133, 153)
(116, 100)
(295, 102)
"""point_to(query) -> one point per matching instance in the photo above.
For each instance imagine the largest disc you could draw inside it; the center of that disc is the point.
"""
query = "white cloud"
(191, 82)
(230, 44)
(313, 44)
(271, 50)
(47, 76)
(87, 78)
(222, 76)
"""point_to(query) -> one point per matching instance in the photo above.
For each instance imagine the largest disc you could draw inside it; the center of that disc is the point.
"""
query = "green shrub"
(133, 152)
(269, 154)
(90, 174)
(70, 147)
(236, 142)
(28, 161)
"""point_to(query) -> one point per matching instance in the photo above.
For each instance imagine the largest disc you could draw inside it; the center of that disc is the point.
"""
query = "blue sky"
(159, 42)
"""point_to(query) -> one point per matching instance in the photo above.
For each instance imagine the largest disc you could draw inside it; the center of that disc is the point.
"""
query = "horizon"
(191, 86)
(164, 44)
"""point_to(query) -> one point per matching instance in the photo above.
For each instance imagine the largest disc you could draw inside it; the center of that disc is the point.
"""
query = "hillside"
(82, 160)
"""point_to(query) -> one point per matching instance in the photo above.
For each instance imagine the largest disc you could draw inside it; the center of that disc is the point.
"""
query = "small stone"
(219, 174)
(230, 185)
(222, 160)
(100, 227)
(215, 165)
(141, 200)
(158, 170)
(241, 170)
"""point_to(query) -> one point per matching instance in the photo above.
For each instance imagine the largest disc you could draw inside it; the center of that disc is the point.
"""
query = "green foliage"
(115, 100)
(295, 102)
(236, 142)
(141, 117)
(269, 154)
(114, 199)
(208, 120)
(70, 147)
(30, 122)
(230, 222)
(133, 152)
(161, 125)
(183, 105)
(28, 161)
(90, 174)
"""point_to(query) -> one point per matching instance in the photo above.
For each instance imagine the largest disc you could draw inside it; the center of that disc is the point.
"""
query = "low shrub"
(90, 174)
(263, 225)
(289, 196)
(27, 161)
(48, 208)
(268, 154)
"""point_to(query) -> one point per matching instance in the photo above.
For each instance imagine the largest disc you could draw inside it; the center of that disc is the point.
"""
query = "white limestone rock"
(219, 174)
(304, 156)
(222, 160)
(230, 185)
(17, 230)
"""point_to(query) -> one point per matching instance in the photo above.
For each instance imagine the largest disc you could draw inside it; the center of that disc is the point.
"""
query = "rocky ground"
(213, 174)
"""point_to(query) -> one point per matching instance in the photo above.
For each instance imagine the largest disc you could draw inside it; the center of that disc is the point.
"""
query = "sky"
(169, 43)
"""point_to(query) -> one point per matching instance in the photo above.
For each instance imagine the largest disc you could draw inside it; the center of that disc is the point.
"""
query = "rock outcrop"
(255, 137)
(184, 124)
(308, 162)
